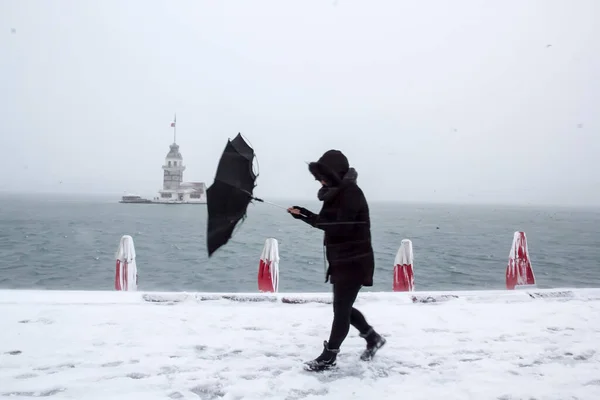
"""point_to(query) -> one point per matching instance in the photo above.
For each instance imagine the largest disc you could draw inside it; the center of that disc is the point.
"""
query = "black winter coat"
(345, 220)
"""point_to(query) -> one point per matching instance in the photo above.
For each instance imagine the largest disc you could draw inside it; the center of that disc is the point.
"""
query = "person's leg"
(374, 340)
(343, 298)
(358, 320)
(344, 314)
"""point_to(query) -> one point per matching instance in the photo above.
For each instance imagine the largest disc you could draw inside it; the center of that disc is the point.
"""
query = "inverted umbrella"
(232, 190)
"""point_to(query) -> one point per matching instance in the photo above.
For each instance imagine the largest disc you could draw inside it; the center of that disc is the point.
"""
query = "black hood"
(331, 167)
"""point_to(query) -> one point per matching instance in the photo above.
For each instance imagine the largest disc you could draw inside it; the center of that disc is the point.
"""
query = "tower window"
(169, 163)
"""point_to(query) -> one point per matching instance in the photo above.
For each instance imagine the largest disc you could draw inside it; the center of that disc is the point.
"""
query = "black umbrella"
(231, 192)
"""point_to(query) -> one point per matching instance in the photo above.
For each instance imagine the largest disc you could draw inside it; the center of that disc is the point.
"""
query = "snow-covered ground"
(535, 344)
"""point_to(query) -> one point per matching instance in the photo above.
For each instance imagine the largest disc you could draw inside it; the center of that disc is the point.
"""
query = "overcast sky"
(461, 101)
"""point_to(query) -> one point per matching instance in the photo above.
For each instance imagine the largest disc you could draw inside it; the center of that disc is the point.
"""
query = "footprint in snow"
(208, 392)
(111, 364)
(137, 375)
(28, 375)
(253, 328)
(43, 393)
(200, 348)
(53, 369)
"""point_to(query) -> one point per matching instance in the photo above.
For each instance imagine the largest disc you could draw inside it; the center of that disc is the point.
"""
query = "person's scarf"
(329, 192)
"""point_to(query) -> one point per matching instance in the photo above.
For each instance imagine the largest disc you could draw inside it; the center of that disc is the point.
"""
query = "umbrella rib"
(236, 187)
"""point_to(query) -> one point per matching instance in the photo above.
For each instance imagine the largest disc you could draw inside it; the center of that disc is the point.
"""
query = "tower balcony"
(173, 168)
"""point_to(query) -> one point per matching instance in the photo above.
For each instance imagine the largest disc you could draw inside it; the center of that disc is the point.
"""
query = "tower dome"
(174, 153)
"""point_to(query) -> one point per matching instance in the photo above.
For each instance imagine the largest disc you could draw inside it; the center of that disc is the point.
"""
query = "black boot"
(374, 342)
(325, 361)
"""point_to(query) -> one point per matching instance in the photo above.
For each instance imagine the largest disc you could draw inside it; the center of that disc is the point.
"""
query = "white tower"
(172, 169)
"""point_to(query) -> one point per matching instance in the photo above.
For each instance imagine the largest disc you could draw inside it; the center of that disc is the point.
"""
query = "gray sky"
(431, 101)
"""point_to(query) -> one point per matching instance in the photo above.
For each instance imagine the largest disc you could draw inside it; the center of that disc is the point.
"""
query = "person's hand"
(298, 212)
(294, 210)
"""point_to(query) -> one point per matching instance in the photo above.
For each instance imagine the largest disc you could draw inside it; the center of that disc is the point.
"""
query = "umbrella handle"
(273, 204)
(268, 202)
(306, 216)
(261, 200)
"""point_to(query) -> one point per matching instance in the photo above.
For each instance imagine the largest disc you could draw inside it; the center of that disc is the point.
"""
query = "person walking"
(345, 220)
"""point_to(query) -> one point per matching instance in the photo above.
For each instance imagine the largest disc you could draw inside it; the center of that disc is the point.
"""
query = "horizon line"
(117, 195)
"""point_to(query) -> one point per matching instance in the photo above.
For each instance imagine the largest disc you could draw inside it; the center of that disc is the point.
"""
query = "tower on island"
(173, 169)
(174, 188)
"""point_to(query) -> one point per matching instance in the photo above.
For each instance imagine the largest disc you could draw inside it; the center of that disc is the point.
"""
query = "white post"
(268, 267)
(404, 279)
(519, 272)
(126, 268)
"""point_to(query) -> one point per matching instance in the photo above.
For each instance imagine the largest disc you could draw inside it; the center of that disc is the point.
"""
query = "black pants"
(344, 314)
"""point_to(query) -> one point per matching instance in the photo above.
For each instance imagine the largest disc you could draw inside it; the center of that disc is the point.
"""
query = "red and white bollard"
(126, 268)
(268, 267)
(404, 279)
(519, 271)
